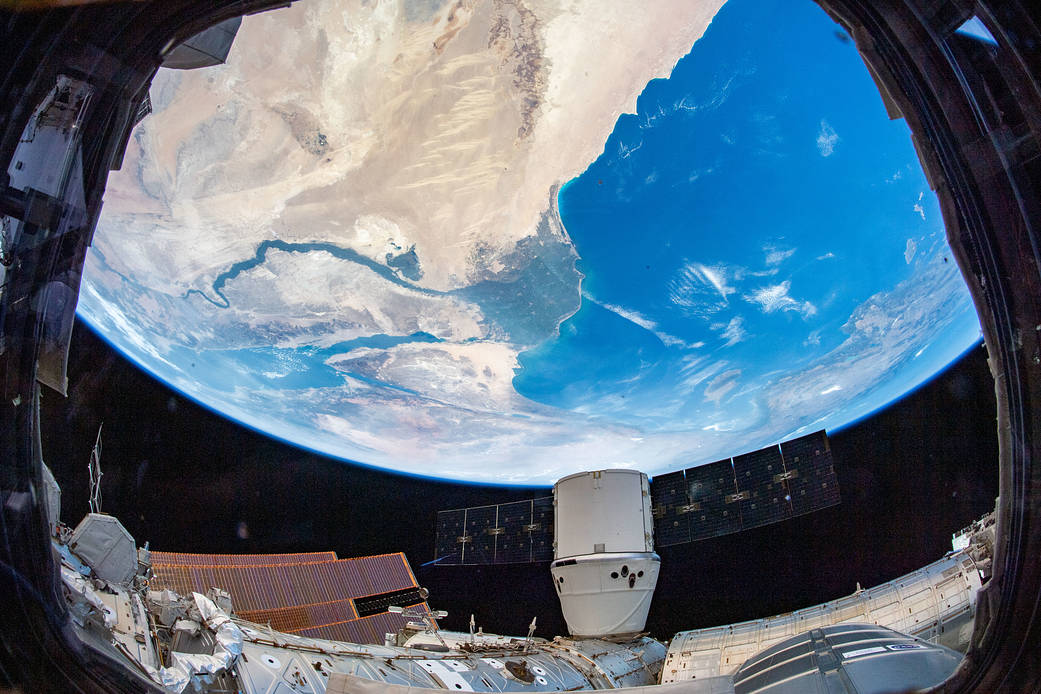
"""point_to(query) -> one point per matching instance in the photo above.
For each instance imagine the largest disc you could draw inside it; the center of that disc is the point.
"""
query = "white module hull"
(606, 593)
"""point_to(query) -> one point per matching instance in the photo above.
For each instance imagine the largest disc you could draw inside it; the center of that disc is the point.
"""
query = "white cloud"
(624, 152)
(775, 297)
(717, 279)
(100, 312)
(718, 97)
(832, 389)
(629, 315)
(733, 332)
(813, 339)
(883, 333)
(698, 377)
(702, 289)
(721, 385)
(909, 250)
(826, 256)
(695, 369)
(918, 206)
(776, 256)
(698, 173)
(827, 138)
(895, 177)
(473, 375)
(643, 321)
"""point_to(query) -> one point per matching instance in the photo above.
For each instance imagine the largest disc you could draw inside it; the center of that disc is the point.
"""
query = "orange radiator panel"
(297, 593)
(192, 559)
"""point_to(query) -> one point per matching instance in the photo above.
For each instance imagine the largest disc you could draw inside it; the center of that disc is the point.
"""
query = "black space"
(185, 479)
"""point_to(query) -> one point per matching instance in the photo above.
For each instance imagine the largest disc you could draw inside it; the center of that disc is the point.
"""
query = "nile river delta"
(507, 241)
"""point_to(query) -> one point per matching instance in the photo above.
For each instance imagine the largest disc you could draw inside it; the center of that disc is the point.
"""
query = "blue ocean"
(757, 198)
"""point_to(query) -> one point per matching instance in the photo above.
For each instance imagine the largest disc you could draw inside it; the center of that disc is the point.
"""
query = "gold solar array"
(310, 594)
(189, 559)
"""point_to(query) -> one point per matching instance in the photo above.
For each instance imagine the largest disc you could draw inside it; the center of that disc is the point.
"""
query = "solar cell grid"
(672, 509)
(709, 486)
(517, 532)
(291, 597)
(815, 485)
(479, 524)
(194, 559)
(309, 594)
(514, 545)
(294, 619)
(288, 619)
(331, 612)
(760, 475)
(449, 529)
(385, 572)
(542, 529)
(364, 630)
(345, 577)
(750, 490)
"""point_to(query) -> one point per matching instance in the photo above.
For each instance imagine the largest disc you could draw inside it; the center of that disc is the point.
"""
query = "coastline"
(434, 156)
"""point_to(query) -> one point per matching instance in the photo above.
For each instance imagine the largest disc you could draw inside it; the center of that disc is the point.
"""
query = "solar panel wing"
(512, 533)
(448, 548)
(812, 482)
(482, 528)
(751, 490)
(387, 572)
(193, 559)
(514, 545)
(762, 493)
(672, 509)
(711, 489)
(301, 596)
(542, 529)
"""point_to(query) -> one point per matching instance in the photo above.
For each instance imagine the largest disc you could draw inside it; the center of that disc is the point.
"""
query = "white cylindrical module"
(602, 511)
(605, 569)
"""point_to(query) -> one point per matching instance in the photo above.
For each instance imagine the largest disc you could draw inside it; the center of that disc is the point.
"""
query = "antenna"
(95, 474)
(531, 632)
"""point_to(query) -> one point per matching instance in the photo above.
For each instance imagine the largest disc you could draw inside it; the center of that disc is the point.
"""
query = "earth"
(503, 241)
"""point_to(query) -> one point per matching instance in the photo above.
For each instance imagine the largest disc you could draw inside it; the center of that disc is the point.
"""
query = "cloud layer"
(827, 139)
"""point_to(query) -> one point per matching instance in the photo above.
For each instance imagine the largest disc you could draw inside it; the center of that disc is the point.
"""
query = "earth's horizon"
(516, 255)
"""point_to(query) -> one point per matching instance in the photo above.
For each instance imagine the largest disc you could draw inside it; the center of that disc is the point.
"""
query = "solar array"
(747, 491)
(514, 533)
(312, 594)
(199, 560)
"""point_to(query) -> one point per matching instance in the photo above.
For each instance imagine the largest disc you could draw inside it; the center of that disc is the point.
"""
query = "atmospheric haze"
(348, 237)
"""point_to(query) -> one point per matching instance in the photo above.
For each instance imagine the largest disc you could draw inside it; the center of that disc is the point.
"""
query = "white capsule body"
(605, 569)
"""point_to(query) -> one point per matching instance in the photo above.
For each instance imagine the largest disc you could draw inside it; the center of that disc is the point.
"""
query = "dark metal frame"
(980, 152)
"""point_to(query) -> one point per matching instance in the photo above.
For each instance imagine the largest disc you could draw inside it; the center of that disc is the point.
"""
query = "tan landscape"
(380, 129)
(388, 169)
